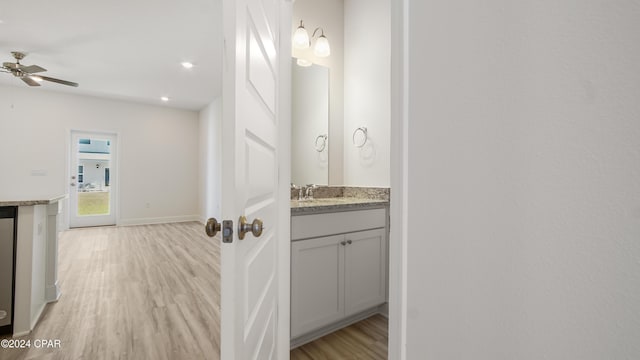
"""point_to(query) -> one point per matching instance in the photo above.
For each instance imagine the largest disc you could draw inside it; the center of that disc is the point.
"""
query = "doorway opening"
(92, 186)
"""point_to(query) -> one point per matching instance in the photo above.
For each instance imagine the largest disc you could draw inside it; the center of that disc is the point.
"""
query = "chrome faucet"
(309, 191)
(300, 191)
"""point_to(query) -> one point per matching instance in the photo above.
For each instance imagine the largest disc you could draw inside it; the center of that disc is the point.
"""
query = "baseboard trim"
(52, 293)
(316, 334)
(158, 220)
(21, 334)
(36, 319)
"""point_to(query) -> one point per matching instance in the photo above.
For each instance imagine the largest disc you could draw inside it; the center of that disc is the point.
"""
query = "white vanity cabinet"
(338, 268)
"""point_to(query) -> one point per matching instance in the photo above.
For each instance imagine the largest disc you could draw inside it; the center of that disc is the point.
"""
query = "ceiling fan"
(27, 73)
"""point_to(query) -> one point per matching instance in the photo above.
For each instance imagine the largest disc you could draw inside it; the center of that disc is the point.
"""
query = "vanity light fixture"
(321, 48)
(301, 37)
(302, 41)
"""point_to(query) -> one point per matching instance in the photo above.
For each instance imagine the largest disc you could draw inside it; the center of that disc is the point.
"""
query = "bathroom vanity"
(339, 264)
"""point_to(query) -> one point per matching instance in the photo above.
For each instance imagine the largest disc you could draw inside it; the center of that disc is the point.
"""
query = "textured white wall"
(158, 150)
(367, 91)
(328, 14)
(524, 180)
(210, 170)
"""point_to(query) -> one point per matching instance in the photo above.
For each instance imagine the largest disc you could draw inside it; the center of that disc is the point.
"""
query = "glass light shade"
(301, 38)
(304, 62)
(322, 48)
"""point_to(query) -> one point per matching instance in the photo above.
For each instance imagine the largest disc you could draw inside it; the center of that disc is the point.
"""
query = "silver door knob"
(244, 227)
(73, 184)
(212, 227)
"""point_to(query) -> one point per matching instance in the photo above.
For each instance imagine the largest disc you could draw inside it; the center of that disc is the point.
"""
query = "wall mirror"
(309, 124)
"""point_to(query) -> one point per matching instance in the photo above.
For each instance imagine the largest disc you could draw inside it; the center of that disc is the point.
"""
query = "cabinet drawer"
(315, 225)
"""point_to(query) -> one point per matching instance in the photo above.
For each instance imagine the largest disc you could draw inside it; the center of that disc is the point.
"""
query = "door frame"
(399, 180)
(114, 175)
(283, 343)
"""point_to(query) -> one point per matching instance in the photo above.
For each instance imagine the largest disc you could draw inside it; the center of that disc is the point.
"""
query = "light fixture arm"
(316, 30)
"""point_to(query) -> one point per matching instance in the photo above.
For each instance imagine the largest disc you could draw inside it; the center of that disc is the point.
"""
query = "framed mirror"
(310, 125)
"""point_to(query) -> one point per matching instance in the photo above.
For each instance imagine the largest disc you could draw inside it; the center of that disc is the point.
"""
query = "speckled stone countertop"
(39, 200)
(306, 207)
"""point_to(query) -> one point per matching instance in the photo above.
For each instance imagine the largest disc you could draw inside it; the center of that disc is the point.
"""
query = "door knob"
(73, 184)
(244, 227)
(212, 227)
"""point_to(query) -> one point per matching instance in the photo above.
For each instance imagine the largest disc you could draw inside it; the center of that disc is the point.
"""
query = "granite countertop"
(36, 200)
(333, 204)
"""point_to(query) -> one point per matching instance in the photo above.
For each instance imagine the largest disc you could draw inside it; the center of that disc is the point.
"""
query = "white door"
(251, 128)
(92, 179)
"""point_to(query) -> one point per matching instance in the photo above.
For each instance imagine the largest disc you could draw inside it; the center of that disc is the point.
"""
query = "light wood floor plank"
(140, 292)
(366, 340)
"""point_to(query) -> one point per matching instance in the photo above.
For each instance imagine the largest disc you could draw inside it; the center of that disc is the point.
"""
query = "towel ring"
(364, 134)
(320, 146)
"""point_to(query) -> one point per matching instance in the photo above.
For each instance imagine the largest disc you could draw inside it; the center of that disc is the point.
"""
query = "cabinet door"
(365, 270)
(317, 283)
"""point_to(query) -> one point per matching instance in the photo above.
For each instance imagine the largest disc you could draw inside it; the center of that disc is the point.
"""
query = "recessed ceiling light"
(164, 98)
(187, 65)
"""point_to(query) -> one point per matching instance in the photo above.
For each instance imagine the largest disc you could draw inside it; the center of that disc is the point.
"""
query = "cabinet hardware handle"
(343, 243)
(349, 242)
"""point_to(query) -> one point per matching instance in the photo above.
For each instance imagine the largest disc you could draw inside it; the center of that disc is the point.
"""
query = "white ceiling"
(119, 49)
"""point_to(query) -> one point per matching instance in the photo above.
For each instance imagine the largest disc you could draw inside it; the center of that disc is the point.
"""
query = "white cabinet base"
(338, 270)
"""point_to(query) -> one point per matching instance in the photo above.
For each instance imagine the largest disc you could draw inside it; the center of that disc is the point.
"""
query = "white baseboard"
(38, 314)
(158, 220)
(21, 334)
(52, 293)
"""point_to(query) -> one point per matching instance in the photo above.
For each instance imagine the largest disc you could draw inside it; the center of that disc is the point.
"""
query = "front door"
(250, 182)
(91, 179)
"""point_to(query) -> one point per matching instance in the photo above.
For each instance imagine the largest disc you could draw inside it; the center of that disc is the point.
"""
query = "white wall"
(328, 14)
(367, 89)
(210, 175)
(524, 180)
(158, 150)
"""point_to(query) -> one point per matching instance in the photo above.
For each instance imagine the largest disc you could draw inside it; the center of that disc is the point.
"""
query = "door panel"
(317, 283)
(365, 270)
(250, 178)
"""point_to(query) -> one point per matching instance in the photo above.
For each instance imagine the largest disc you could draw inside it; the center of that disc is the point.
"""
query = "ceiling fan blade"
(29, 81)
(8, 65)
(63, 82)
(32, 69)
